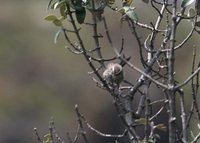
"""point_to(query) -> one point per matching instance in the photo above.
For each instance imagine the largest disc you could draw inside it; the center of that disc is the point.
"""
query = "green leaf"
(121, 10)
(130, 12)
(63, 11)
(141, 121)
(50, 18)
(129, 2)
(77, 4)
(80, 15)
(111, 2)
(197, 23)
(161, 127)
(197, 7)
(57, 35)
(57, 22)
(54, 19)
(47, 139)
(185, 3)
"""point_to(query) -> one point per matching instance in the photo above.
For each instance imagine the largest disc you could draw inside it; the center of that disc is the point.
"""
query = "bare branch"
(196, 138)
(144, 74)
(183, 117)
(158, 112)
(79, 116)
(186, 39)
(103, 134)
(157, 53)
(131, 131)
(37, 135)
(189, 78)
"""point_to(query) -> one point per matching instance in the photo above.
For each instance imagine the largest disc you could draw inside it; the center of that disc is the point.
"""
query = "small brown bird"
(113, 74)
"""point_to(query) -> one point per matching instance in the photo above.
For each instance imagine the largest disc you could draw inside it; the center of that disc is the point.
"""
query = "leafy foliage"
(50, 18)
(185, 3)
(129, 2)
(47, 139)
(54, 20)
(129, 12)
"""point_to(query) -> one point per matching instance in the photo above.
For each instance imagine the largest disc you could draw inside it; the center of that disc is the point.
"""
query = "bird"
(113, 74)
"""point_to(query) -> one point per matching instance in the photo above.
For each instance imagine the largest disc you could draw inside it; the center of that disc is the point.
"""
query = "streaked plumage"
(113, 74)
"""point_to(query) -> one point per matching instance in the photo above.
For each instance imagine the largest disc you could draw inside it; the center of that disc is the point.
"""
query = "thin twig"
(84, 50)
(193, 90)
(104, 134)
(37, 135)
(69, 137)
(186, 39)
(129, 128)
(158, 112)
(95, 32)
(188, 79)
(77, 134)
(51, 132)
(138, 39)
(144, 74)
(196, 138)
(83, 133)
(183, 117)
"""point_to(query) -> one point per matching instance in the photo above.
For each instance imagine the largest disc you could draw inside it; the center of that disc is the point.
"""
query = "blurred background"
(40, 80)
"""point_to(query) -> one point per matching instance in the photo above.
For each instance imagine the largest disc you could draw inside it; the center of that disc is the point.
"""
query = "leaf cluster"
(192, 12)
